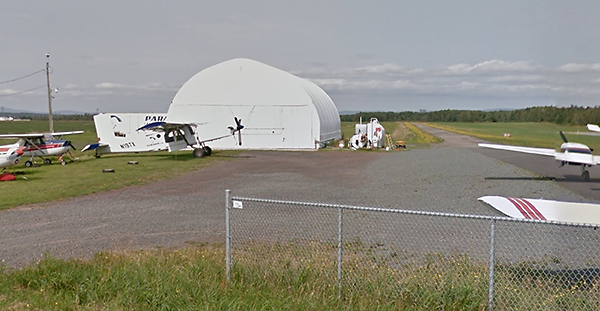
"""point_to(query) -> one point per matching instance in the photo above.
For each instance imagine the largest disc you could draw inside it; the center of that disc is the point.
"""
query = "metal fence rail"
(505, 263)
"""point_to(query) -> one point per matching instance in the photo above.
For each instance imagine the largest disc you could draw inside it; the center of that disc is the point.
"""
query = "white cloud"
(579, 68)
(490, 66)
(518, 81)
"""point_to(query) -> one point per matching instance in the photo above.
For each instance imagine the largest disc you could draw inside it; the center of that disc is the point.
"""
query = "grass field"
(543, 135)
(194, 279)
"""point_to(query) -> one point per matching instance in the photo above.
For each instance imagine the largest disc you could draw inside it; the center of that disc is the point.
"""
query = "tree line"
(568, 115)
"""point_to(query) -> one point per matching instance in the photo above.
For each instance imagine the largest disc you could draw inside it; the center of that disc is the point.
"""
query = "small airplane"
(41, 145)
(141, 132)
(570, 154)
(119, 133)
(180, 136)
(539, 209)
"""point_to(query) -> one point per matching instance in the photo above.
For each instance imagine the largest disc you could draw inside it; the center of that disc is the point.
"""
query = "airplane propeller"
(68, 143)
(238, 128)
(564, 138)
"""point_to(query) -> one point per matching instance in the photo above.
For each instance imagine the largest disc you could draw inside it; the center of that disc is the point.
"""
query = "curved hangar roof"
(245, 82)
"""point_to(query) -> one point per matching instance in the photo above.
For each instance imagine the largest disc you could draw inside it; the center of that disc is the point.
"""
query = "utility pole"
(49, 93)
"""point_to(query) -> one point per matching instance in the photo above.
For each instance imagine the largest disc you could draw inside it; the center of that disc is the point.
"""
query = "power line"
(37, 88)
(23, 77)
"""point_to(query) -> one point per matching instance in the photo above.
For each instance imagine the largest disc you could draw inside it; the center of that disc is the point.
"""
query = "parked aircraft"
(140, 132)
(120, 133)
(538, 209)
(41, 145)
(180, 136)
(571, 154)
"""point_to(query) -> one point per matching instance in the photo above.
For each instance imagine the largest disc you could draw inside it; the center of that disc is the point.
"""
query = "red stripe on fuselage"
(43, 147)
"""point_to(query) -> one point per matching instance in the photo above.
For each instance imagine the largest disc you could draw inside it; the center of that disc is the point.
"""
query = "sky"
(133, 56)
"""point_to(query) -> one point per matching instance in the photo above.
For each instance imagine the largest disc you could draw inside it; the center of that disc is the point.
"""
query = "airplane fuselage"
(44, 148)
(575, 154)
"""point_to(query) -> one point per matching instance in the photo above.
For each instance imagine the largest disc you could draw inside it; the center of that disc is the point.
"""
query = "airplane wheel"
(47, 161)
(199, 152)
(585, 175)
(207, 150)
(28, 164)
(63, 162)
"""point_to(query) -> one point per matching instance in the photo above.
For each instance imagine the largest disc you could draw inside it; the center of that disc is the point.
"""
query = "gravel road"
(171, 213)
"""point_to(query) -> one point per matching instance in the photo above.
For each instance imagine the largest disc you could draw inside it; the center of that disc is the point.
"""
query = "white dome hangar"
(278, 110)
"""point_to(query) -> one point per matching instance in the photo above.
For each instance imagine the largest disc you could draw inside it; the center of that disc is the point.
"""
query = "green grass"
(523, 134)
(302, 276)
(85, 175)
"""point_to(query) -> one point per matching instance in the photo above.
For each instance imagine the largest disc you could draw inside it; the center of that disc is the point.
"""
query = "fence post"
(491, 277)
(340, 251)
(227, 234)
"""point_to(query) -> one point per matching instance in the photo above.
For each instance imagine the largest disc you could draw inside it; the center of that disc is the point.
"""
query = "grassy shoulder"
(544, 135)
(302, 277)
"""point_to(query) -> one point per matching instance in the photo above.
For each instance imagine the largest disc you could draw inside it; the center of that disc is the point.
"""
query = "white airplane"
(180, 136)
(538, 209)
(41, 145)
(570, 153)
(120, 133)
(141, 132)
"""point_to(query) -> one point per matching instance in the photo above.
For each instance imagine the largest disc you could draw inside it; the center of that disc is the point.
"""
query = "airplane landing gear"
(28, 163)
(199, 152)
(47, 161)
(202, 151)
(585, 174)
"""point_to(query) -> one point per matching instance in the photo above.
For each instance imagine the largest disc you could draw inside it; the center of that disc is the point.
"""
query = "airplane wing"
(33, 135)
(66, 133)
(531, 150)
(38, 135)
(539, 209)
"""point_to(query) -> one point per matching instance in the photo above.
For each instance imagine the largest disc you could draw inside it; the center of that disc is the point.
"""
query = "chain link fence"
(418, 258)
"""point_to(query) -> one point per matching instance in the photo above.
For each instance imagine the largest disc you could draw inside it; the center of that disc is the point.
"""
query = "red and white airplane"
(40, 145)
(538, 209)
(570, 154)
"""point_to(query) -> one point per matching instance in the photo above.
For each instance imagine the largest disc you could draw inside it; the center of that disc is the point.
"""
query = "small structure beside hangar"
(278, 110)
